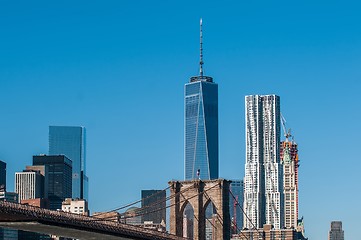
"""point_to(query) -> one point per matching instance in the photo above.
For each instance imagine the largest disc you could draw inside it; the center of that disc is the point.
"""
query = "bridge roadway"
(34, 219)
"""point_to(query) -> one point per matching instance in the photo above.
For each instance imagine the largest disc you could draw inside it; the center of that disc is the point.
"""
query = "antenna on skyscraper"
(201, 50)
(201, 76)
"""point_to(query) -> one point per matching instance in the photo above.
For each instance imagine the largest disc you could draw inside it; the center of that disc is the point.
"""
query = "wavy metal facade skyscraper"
(263, 182)
(201, 125)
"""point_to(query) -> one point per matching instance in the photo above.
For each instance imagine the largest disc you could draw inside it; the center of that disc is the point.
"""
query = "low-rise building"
(9, 196)
(160, 227)
(37, 202)
(77, 206)
(266, 233)
(108, 216)
(132, 216)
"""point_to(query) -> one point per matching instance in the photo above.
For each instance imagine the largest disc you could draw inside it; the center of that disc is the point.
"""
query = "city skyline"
(121, 69)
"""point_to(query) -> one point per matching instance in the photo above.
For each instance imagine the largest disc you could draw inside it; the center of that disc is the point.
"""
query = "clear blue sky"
(119, 68)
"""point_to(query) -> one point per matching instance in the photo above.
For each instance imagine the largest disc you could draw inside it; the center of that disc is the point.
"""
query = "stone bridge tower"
(199, 194)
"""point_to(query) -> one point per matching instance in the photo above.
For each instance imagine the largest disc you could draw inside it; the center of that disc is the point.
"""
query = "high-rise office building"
(43, 170)
(201, 125)
(235, 204)
(289, 160)
(2, 176)
(154, 205)
(59, 178)
(336, 232)
(28, 184)
(263, 182)
(70, 141)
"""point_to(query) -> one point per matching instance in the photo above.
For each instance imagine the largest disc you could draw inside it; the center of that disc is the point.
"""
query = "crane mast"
(286, 133)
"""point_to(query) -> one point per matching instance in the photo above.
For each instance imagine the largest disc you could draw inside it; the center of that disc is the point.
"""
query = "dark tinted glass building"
(24, 235)
(70, 141)
(59, 178)
(8, 234)
(2, 175)
(152, 202)
(235, 204)
(12, 234)
(201, 126)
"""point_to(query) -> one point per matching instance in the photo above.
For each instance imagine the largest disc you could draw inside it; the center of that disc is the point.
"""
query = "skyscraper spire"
(200, 76)
(201, 51)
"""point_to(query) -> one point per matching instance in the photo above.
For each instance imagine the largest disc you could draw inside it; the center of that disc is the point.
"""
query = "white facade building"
(263, 182)
(28, 184)
(77, 206)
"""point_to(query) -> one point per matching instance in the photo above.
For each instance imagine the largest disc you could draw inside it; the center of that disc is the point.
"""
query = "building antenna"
(201, 50)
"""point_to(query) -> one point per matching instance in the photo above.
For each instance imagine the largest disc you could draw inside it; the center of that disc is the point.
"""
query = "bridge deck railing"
(32, 213)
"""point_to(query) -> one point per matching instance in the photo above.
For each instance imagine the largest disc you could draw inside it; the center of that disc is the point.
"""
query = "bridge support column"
(200, 194)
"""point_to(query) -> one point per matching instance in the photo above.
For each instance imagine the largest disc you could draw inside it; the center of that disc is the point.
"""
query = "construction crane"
(286, 133)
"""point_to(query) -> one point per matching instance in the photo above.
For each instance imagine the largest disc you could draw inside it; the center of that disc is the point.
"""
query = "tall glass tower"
(201, 125)
(70, 141)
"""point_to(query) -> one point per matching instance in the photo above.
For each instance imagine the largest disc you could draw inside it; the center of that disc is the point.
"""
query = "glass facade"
(201, 129)
(70, 141)
(152, 201)
(8, 234)
(235, 202)
(2, 176)
(59, 178)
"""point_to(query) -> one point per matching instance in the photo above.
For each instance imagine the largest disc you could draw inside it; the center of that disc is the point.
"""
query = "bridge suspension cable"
(154, 204)
(142, 211)
(135, 202)
(244, 213)
(171, 205)
(221, 219)
(205, 218)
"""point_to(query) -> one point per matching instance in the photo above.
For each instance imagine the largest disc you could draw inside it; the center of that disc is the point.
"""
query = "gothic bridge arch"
(199, 194)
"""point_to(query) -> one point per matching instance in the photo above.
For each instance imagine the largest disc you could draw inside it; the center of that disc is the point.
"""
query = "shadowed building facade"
(152, 202)
(59, 178)
(336, 232)
(2, 176)
(235, 204)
